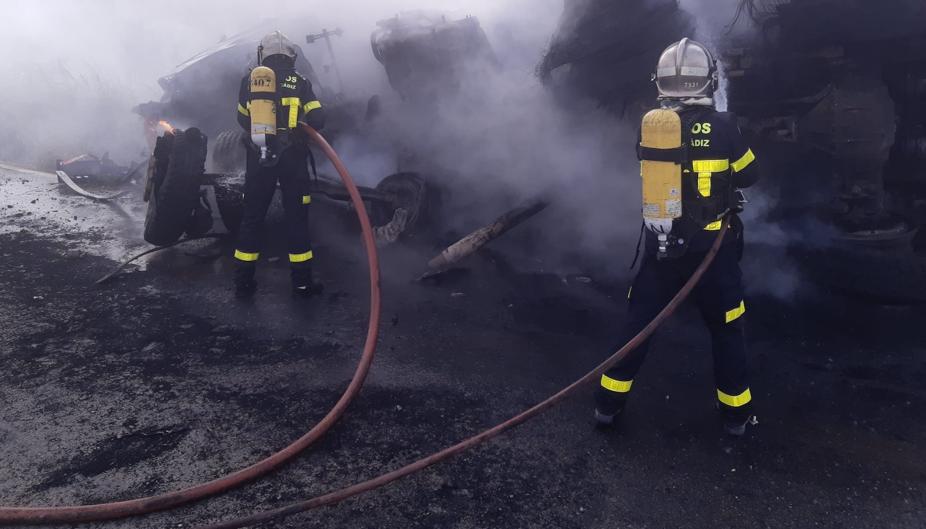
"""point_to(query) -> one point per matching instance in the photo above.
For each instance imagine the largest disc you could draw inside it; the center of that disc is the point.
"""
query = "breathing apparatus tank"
(263, 111)
(661, 156)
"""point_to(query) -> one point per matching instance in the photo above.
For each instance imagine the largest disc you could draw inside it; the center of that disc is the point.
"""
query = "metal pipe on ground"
(150, 251)
(19, 516)
(474, 241)
(383, 480)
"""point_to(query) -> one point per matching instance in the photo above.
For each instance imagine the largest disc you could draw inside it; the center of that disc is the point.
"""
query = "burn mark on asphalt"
(114, 453)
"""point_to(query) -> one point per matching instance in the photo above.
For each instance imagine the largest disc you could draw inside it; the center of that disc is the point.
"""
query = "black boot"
(736, 420)
(609, 407)
(245, 285)
(736, 426)
(303, 284)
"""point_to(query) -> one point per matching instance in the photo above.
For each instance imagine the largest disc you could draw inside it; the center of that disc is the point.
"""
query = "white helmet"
(275, 43)
(686, 70)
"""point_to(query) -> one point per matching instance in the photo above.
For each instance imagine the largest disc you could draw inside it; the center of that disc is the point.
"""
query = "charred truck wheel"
(228, 154)
(174, 199)
(229, 195)
(406, 210)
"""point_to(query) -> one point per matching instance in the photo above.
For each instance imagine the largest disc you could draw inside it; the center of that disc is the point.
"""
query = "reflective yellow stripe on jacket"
(243, 111)
(310, 106)
(744, 162)
(737, 313)
(293, 103)
(705, 170)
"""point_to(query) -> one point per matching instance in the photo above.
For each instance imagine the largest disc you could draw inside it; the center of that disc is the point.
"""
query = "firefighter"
(713, 162)
(273, 156)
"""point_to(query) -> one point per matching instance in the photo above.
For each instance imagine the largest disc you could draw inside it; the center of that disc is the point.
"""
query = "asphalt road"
(159, 380)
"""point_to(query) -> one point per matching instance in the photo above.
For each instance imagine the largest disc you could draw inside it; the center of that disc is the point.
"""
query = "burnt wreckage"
(425, 55)
(834, 94)
(411, 47)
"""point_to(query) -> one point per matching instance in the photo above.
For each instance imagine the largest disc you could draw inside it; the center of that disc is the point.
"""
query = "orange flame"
(166, 126)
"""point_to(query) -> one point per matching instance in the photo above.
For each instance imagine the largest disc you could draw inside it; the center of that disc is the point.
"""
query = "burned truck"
(200, 92)
(185, 184)
(425, 55)
(833, 93)
(181, 174)
(850, 89)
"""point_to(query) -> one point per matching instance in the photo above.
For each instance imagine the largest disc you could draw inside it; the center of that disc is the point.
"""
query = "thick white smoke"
(89, 63)
(720, 24)
(76, 68)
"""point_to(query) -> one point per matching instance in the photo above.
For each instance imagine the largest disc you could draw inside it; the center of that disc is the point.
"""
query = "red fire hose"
(375, 483)
(140, 506)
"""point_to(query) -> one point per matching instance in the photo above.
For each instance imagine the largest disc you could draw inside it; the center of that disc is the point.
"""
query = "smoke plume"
(503, 137)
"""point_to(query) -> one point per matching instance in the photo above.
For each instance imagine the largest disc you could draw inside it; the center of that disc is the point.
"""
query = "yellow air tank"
(662, 181)
(263, 109)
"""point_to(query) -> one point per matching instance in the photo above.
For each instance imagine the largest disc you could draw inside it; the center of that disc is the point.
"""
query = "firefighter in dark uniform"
(286, 163)
(716, 162)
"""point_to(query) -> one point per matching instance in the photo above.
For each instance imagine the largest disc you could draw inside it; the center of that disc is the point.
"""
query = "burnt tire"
(229, 197)
(175, 190)
(409, 191)
(228, 152)
(201, 220)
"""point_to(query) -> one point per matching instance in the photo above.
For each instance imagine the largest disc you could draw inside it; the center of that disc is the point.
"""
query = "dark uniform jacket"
(719, 161)
(296, 102)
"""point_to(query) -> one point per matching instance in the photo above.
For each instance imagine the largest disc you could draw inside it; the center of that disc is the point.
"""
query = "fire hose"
(69, 182)
(354, 490)
(169, 500)
(101, 512)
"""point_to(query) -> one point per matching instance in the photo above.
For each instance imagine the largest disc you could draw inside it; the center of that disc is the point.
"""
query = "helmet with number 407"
(686, 70)
(274, 44)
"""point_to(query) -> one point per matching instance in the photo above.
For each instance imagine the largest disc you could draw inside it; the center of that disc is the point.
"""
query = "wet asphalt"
(160, 380)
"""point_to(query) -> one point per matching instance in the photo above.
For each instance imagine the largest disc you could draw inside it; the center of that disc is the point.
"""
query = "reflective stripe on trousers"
(301, 258)
(616, 386)
(735, 401)
(246, 257)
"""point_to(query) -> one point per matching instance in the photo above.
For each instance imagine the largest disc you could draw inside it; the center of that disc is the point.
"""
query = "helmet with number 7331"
(686, 70)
